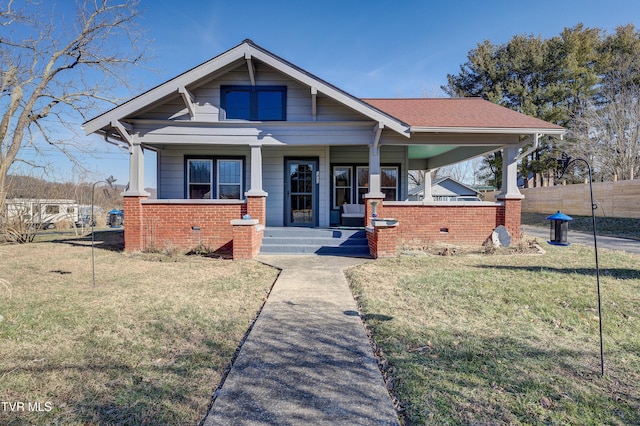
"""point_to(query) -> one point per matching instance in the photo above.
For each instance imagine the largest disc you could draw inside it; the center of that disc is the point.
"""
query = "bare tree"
(56, 71)
(609, 134)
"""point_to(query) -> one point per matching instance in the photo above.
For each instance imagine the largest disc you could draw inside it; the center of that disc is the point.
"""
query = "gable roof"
(438, 182)
(404, 116)
(474, 114)
(244, 51)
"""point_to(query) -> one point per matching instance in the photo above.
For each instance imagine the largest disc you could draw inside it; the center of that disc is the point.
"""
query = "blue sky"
(375, 48)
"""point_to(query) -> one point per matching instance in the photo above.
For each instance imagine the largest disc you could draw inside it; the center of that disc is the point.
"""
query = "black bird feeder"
(559, 229)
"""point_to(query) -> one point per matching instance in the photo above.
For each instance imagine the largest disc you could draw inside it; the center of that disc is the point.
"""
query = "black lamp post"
(563, 164)
(108, 181)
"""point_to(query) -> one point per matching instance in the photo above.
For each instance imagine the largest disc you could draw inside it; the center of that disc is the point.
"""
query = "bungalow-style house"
(444, 189)
(248, 140)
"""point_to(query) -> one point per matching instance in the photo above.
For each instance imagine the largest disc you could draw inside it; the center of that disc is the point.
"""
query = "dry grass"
(489, 339)
(147, 345)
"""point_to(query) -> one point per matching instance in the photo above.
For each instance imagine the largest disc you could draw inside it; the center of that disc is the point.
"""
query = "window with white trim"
(341, 186)
(199, 179)
(229, 181)
(351, 189)
(389, 182)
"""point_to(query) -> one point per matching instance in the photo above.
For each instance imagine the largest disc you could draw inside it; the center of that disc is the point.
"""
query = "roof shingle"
(457, 112)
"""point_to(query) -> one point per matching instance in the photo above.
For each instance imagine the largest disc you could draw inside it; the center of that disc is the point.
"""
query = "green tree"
(549, 79)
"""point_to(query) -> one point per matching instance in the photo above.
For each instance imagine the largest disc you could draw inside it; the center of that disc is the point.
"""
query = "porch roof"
(462, 115)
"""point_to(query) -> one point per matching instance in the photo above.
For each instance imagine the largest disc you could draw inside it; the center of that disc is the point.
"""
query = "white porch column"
(375, 190)
(136, 171)
(427, 186)
(510, 174)
(256, 172)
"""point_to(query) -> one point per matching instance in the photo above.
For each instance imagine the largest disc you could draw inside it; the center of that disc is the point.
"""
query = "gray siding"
(208, 99)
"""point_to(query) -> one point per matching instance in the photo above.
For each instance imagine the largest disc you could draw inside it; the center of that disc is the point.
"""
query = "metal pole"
(109, 181)
(595, 246)
(566, 162)
(93, 261)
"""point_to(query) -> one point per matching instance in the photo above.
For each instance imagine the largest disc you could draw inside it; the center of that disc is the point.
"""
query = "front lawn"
(148, 345)
(507, 339)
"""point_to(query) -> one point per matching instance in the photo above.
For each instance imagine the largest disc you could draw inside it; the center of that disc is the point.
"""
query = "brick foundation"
(382, 241)
(184, 224)
(247, 238)
(471, 225)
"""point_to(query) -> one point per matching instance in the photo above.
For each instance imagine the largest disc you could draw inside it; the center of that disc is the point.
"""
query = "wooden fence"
(614, 199)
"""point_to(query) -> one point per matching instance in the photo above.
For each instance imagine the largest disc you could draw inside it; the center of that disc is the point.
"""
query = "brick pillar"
(368, 209)
(511, 218)
(382, 240)
(257, 208)
(133, 226)
(247, 238)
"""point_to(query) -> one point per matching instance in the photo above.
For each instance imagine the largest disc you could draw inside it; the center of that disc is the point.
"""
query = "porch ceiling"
(428, 151)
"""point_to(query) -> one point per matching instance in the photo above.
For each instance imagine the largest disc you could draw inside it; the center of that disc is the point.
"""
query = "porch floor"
(349, 242)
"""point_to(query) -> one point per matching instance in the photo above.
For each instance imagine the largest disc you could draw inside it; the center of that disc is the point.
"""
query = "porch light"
(559, 228)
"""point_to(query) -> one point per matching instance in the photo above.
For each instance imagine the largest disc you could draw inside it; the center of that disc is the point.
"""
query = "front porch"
(238, 227)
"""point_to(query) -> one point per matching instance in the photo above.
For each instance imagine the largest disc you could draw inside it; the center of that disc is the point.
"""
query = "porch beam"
(189, 100)
(427, 187)
(251, 67)
(375, 187)
(510, 174)
(256, 173)
(136, 171)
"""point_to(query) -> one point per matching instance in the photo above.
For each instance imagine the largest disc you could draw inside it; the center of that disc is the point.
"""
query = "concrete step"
(323, 241)
(314, 232)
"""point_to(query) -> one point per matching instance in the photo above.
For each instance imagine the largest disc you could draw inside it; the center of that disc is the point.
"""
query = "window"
(255, 103)
(199, 179)
(51, 209)
(342, 186)
(363, 183)
(352, 190)
(229, 179)
(389, 182)
(218, 178)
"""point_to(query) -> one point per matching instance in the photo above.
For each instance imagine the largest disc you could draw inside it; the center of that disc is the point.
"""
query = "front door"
(301, 206)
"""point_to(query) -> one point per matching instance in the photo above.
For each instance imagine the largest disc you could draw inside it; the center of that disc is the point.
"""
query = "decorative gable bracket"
(251, 67)
(189, 101)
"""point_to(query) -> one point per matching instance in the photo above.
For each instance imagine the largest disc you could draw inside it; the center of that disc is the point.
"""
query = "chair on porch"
(352, 215)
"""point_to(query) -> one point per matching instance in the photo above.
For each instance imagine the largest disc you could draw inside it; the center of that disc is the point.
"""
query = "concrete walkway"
(575, 237)
(307, 359)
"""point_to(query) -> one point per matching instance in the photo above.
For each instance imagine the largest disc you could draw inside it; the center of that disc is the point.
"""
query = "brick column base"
(257, 208)
(512, 217)
(247, 238)
(133, 226)
(382, 240)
